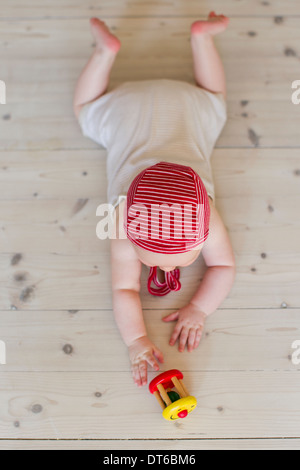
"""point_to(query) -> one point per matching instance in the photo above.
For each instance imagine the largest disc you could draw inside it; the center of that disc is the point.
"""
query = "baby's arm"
(126, 272)
(220, 274)
(214, 288)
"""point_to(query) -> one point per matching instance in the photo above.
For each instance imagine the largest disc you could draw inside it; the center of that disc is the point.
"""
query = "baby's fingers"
(152, 361)
(158, 354)
(143, 372)
(198, 337)
(191, 339)
(139, 372)
(136, 374)
(175, 334)
(183, 338)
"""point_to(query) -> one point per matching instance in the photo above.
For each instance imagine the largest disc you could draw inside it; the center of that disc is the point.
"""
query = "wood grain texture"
(152, 444)
(71, 340)
(70, 175)
(40, 111)
(58, 281)
(172, 8)
(248, 404)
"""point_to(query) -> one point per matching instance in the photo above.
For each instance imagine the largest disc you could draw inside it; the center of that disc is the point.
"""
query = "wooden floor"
(67, 381)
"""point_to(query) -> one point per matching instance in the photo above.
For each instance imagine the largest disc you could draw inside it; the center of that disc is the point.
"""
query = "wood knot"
(278, 19)
(244, 102)
(16, 259)
(253, 137)
(79, 205)
(19, 277)
(68, 349)
(27, 293)
(36, 409)
(289, 52)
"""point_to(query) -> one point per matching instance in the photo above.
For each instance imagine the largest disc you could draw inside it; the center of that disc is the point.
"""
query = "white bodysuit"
(141, 123)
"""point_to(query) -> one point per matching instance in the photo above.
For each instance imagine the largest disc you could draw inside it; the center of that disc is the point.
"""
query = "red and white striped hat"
(167, 209)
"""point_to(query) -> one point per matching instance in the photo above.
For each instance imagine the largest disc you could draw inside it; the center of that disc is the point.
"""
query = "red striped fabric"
(171, 282)
(167, 209)
(167, 212)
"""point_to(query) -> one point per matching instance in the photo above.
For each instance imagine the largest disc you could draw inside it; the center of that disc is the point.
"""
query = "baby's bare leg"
(208, 68)
(93, 80)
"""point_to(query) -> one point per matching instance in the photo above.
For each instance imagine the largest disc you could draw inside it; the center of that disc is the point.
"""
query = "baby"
(159, 136)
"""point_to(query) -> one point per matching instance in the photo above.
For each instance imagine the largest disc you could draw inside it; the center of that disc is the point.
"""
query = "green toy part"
(173, 396)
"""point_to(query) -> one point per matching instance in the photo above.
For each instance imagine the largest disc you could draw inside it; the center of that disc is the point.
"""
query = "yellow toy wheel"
(180, 408)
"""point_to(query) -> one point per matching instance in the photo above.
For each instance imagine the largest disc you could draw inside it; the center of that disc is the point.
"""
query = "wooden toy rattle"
(175, 404)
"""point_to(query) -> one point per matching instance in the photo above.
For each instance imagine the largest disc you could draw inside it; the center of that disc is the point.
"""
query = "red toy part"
(182, 414)
(165, 380)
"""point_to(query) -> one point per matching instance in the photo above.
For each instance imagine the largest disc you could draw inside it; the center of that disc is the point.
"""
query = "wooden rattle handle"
(164, 394)
(179, 387)
(184, 388)
(158, 397)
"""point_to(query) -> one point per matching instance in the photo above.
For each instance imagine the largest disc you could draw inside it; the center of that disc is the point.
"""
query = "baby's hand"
(189, 327)
(141, 351)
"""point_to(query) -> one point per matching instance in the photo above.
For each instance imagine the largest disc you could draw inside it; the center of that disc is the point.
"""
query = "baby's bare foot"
(215, 24)
(105, 40)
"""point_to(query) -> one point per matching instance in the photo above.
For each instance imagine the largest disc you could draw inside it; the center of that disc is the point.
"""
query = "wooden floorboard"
(57, 281)
(152, 444)
(69, 175)
(70, 340)
(95, 405)
(39, 113)
(172, 8)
